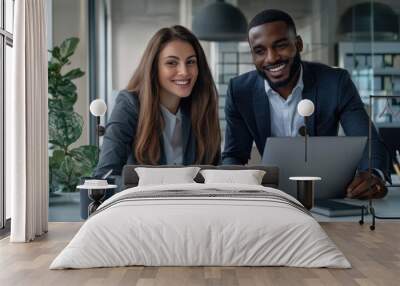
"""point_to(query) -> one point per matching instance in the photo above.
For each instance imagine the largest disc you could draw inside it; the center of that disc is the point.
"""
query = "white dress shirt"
(285, 120)
(172, 136)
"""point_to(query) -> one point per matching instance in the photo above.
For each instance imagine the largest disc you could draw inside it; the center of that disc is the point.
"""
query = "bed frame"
(271, 178)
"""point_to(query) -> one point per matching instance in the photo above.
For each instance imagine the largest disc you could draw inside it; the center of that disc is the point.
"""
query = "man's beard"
(293, 71)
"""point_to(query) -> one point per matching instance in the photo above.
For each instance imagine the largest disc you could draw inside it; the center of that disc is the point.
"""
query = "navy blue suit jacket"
(334, 95)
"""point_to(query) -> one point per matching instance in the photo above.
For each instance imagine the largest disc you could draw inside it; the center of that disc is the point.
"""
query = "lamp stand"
(370, 201)
(98, 132)
(305, 138)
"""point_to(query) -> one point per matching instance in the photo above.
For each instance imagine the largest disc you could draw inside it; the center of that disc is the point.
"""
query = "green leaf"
(77, 163)
(86, 155)
(85, 152)
(54, 67)
(55, 105)
(65, 127)
(55, 81)
(67, 175)
(73, 74)
(69, 101)
(52, 91)
(68, 47)
(65, 103)
(56, 159)
(55, 53)
(66, 87)
(65, 92)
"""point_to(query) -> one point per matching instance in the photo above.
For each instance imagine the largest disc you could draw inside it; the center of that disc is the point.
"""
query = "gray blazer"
(116, 150)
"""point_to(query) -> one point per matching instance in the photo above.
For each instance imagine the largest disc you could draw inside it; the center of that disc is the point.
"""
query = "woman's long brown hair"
(203, 101)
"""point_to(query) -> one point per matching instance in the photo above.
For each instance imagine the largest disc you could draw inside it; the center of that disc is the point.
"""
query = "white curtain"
(26, 115)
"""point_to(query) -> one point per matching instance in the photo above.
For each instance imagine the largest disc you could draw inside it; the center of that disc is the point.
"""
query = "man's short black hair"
(272, 15)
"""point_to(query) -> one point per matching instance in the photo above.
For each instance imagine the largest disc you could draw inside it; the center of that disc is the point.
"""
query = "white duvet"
(183, 231)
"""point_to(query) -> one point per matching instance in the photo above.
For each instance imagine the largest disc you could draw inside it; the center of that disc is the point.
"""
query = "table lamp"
(305, 185)
(98, 108)
(305, 108)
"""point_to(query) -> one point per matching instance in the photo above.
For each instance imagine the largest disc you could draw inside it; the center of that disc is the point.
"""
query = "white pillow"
(248, 177)
(164, 176)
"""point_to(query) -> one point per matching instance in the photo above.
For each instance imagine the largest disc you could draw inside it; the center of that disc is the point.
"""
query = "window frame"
(6, 39)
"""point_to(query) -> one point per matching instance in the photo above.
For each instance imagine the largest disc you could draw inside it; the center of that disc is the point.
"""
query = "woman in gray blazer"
(168, 113)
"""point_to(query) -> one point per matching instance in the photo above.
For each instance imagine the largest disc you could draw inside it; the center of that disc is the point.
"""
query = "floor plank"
(375, 257)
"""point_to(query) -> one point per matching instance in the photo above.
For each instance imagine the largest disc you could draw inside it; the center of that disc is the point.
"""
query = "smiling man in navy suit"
(263, 103)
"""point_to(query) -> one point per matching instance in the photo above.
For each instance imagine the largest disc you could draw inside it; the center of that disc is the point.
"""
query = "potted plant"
(66, 164)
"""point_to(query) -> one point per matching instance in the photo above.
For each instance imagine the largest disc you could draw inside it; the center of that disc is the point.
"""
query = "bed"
(201, 224)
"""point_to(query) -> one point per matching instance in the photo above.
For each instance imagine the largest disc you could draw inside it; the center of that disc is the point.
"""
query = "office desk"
(388, 206)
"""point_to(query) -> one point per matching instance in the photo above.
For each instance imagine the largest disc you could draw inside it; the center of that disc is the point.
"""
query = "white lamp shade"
(98, 107)
(305, 107)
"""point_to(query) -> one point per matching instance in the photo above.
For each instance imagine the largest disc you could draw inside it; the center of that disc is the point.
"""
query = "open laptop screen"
(334, 159)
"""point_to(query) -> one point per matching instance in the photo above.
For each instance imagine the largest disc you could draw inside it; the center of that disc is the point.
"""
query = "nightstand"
(305, 190)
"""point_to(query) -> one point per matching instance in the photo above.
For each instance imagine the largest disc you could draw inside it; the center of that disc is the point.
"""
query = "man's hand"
(359, 187)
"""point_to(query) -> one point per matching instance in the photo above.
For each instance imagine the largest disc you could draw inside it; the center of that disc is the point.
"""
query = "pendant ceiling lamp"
(220, 22)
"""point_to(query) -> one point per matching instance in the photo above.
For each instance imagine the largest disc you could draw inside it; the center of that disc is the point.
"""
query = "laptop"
(334, 159)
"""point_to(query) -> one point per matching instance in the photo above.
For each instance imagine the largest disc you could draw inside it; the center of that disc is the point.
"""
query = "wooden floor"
(375, 257)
